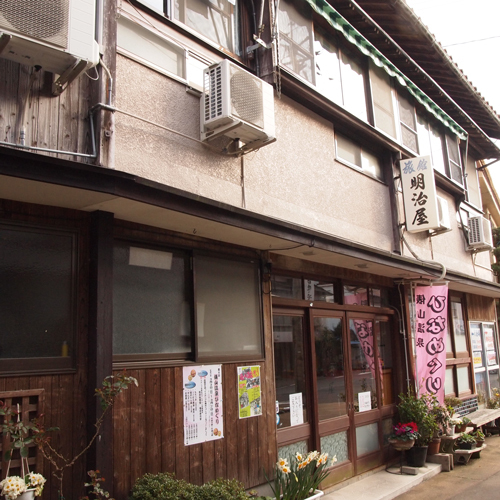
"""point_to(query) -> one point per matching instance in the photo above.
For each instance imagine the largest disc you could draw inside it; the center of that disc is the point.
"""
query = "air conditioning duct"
(57, 35)
(237, 105)
(480, 235)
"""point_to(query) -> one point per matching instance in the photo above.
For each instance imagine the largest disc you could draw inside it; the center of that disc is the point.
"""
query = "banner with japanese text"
(431, 322)
(419, 194)
(203, 415)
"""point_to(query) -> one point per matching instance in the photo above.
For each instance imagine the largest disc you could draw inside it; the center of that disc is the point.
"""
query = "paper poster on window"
(430, 335)
(488, 338)
(203, 415)
(365, 401)
(249, 393)
(492, 358)
(296, 411)
(478, 359)
(475, 336)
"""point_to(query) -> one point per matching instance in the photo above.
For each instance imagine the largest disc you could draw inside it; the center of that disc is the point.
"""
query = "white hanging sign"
(419, 194)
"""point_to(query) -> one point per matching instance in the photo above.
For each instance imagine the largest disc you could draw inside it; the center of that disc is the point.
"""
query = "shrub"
(164, 486)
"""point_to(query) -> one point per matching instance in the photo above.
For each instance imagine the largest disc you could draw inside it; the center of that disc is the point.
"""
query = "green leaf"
(24, 452)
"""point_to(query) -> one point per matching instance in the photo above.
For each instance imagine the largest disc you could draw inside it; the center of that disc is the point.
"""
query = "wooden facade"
(160, 198)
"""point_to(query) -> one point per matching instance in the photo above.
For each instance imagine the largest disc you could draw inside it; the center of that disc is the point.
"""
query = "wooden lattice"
(30, 405)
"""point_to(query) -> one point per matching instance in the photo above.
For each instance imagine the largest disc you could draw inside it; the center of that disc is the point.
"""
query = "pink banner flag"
(430, 339)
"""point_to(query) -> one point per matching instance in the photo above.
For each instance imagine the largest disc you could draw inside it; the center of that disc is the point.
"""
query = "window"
(408, 124)
(431, 144)
(158, 313)
(37, 298)
(339, 76)
(147, 47)
(364, 296)
(455, 166)
(213, 19)
(458, 360)
(472, 182)
(312, 54)
(486, 361)
(355, 155)
(383, 101)
(296, 41)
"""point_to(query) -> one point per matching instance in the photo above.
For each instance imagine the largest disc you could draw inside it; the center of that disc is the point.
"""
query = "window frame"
(356, 167)
(132, 360)
(236, 20)
(58, 364)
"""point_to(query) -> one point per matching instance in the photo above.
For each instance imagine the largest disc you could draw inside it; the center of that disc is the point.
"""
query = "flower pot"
(434, 446)
(479, 443)
(315, 494)
(27, 495)
(400, 445)
(466, 446)
(415, 456)
(460, 428)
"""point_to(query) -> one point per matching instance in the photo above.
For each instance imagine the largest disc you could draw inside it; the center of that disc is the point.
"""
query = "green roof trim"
(338, 22)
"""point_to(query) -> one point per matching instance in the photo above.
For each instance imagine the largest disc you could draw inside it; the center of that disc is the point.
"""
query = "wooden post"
(100, 346)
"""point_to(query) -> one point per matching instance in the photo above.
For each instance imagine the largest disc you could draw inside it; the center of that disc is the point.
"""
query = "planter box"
(316, 494)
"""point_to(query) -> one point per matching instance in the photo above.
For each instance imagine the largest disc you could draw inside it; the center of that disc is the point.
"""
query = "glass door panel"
(330, 371)
(364, 362)
(289, 362)
(386, 364)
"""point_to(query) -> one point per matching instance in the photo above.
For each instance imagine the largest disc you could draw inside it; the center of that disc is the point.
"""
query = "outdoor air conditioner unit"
(237, 105)
(443, 215)
(57, 35)
(480, 236)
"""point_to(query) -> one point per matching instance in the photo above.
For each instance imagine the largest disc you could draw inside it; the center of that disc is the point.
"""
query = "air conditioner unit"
(238, 105)
(57, 35)
(480, 236)
(443, 214)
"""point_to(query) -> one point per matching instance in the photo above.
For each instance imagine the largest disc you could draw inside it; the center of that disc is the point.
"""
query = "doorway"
(334, 385)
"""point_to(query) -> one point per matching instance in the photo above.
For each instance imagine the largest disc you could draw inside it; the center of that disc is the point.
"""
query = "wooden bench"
(479, 418)
(463, 456)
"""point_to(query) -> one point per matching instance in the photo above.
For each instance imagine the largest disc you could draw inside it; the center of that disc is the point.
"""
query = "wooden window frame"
(49, 364)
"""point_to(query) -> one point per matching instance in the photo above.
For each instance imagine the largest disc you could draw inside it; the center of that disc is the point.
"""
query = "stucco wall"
(295, 179)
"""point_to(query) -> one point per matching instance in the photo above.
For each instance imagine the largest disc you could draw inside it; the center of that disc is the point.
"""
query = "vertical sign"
(419, 194)
(202, 388)
(430, 338)
(249, 393)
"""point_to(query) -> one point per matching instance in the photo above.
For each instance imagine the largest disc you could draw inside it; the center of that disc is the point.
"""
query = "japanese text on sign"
(202, 389)
(430, 337)
(419, 194)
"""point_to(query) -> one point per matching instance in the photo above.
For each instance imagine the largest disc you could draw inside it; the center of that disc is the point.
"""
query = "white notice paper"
(365, 401)
(296, 413)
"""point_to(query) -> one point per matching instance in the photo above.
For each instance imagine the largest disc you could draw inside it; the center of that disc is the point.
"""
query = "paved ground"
(478, 480)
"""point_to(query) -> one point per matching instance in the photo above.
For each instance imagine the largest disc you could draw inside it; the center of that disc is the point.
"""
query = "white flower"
(12, 487)
(36, 481)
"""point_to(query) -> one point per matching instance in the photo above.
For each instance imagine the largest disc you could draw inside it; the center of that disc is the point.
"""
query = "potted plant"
(479, 435)
(417, 409)
(403, 436)
(461, 424)
(300, 479)
(28, 484)
(466, 442)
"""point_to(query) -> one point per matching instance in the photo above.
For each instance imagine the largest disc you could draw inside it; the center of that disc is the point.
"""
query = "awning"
(352, 35)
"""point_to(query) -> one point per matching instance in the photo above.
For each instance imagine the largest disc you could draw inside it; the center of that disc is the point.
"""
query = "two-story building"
(196, 186)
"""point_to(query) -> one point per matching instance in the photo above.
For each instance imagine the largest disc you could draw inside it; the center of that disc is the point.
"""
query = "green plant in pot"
(418, 409)
(479, 435)
(466, 441)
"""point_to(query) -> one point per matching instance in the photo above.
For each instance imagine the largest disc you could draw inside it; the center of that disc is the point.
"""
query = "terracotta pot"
(434, 446)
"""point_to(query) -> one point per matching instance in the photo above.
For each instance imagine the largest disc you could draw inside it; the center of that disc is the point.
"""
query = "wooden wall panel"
(54, 122)
(480, 308)
(157, 406)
